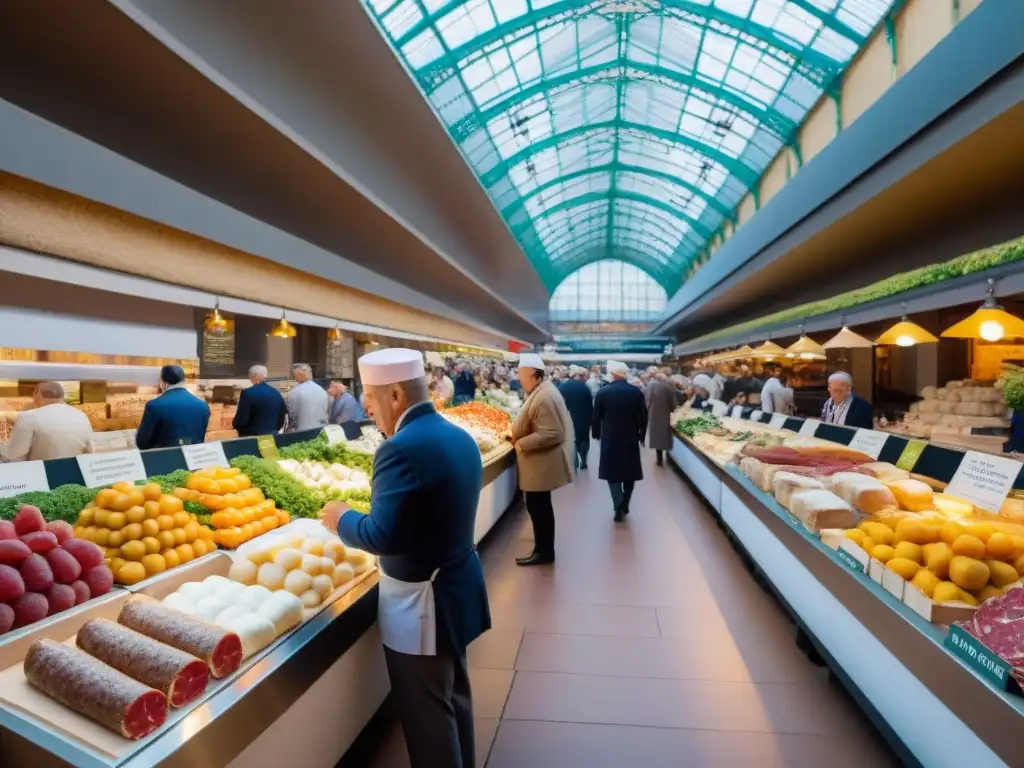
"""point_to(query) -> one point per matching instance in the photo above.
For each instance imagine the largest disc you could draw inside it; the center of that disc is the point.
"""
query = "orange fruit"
(133, 550)
(270, 522)
(152, 509)
(137, 496)
(166, 539)
(135, 514)
(154, 564)
(116, 539)
(121, 502)
(185, 552)
(191, 531)
(123, 487)
(131, 573)
(166, 522)
(180, 519)
(116, 521)
(228, 485)
(169, 505)
(152, 544)
(132, 531)
(102, 537)
(105, 498)
(205, 533)
(150, 527)
(99, 518)
(171, 558)
(179, 536)
(151, 492)
(257, 527)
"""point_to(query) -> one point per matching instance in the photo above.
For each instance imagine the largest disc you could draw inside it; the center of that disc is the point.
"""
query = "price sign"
(22, 477)
(267, 447)
(908, 459)
(809, 427)
(778, 421)
(984, 480)
(204, 455)
(869, 441)
(848, 560)
(719, 408)
(978, 657)
(335, 434)
(737, 411)
(755, 416)
(107, 468)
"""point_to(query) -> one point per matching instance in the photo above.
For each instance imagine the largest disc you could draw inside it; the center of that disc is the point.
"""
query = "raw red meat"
(28, 520)
(87, 554)
(7, 530)
(64, 566)
(6, 618)
(37, 573)
(40, 542)
(91, 688)
(62, 530)
(12, 586)
(219, 648)
(13, 551)
(81, 591)
(179, 675)
(999, 624)
(99, 579)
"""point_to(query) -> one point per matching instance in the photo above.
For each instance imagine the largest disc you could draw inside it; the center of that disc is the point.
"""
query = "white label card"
(719, 408)
(809, 427)
(204, 455)
(778, 420)
(869, 441)
(335, 434)
(22, 477)
(106, 468)
(984, 479)
(755, 416)
(737, 411)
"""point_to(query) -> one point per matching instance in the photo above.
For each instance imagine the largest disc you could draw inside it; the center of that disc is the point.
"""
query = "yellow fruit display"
(916, 531)
(856, 535)
(968, 598)
(940, 555)
(947, 592)
(910, 551)
(926, 581)
(1000, 546)
(968, 573)
(883, 553)
(988, 591)
(879, 532)
(950, 532)
(907, 569)
(1001, 574)
(137, 526)
(969, 546)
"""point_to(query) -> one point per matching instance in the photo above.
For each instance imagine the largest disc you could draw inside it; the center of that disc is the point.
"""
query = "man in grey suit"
(344, 407)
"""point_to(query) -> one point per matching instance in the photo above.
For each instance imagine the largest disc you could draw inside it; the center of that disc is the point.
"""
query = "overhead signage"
(204, 455)
(107, 468)
(984, 479)
(869, 441)
(654, 345)
(22, 477)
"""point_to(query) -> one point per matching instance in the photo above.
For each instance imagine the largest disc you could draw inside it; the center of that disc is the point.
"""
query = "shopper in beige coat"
(543, 437)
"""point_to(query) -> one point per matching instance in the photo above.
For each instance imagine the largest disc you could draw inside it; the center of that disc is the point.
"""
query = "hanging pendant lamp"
(769, 350)
(906, 334)
(989, 322)
(739, 354)
(847, 339)
(214, 323)
(805, 348)
(282, 328)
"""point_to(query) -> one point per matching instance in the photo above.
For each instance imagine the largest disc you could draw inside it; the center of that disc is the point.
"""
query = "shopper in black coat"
(620, 422)
(580, 403)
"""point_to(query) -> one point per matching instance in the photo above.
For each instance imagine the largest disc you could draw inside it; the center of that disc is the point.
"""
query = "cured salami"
(999, 624)
(91, 688)
(179, 675)
(219, 648)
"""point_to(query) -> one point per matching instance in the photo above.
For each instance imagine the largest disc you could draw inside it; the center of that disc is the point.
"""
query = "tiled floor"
(646, 644)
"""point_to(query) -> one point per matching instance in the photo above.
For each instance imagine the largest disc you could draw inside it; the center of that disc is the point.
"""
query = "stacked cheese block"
(958, 405)
(256, 614)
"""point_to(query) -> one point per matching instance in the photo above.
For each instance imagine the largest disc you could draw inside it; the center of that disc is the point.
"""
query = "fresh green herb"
(697, 424)
(64, 502)
(318, 449)
(287, 492)
(1012, 385)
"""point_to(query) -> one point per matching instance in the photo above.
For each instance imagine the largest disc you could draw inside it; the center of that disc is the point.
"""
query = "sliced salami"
(91, 688)
(179, 675)
(219, 648)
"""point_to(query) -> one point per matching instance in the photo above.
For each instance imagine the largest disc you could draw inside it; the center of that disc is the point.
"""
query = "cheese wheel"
(283, 609)
(255, 631)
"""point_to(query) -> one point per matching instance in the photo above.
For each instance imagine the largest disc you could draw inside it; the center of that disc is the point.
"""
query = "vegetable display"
(283, 488)
(484, 422)
(44, 569)
(62, 503)
(318, 450)
(334, 481)
(695, 425)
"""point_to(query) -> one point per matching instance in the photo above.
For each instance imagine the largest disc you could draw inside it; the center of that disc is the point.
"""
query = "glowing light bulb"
(806, 355)
(991, 330)
(905, 341)
(790, 354)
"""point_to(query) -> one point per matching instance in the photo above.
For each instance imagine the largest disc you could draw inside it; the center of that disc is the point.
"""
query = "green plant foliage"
(1013, 387)
(62, 503)
(969, 264)
(318, 449)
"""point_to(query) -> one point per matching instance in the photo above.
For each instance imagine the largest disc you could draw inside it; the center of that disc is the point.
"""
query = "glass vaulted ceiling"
(626, 129)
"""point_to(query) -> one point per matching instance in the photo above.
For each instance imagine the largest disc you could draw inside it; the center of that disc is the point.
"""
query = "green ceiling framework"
(623, 129)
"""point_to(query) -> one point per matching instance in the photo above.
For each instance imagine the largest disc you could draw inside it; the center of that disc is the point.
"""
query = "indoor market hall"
(647, 642)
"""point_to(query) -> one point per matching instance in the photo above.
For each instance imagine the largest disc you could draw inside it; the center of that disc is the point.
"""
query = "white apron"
(406, 615)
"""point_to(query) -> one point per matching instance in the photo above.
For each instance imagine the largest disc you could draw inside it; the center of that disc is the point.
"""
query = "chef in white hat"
(620, 423)
(427, 478)
(545, 453)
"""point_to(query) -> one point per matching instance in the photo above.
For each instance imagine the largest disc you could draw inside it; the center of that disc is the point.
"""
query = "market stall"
(302, 605)
(802, 499)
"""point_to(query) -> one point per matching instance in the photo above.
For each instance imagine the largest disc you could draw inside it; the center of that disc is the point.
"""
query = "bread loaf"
(818, 509)
(785, 484)
(912, 495)
(928, 393)
(883, 470)
(867, 494)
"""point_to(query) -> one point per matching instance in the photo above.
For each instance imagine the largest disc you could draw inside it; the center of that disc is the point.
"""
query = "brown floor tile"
(576, 618)
(714, 657)
(718, 706)
(485, 731)
(495, 649)
(490, 691)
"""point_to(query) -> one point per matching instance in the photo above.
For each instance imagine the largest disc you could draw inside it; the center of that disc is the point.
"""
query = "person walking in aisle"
(465, 385)
(176, 417)
(432, 604)
(51, 430)
(344, 407)
(581, 407)
(307, 402)
(543, 438)
(595, 382)
(620, 421)
(661, 398)
(261, 408)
